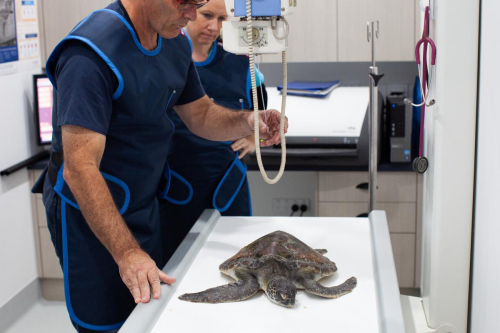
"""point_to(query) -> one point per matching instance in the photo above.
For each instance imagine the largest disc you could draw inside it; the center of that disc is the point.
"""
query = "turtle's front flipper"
(321, 251)
(314, 287)
(244, 288)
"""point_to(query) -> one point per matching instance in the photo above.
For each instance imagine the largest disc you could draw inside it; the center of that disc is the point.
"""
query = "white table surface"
(348, 242)
(340, 114)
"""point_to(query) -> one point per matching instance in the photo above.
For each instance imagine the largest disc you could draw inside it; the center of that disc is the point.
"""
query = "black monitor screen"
(43, 108)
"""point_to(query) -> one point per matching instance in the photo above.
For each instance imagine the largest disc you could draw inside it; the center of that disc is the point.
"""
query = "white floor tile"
(43, 317)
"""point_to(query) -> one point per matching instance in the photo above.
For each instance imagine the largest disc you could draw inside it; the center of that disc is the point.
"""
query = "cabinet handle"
(363, 215)
(363, 186)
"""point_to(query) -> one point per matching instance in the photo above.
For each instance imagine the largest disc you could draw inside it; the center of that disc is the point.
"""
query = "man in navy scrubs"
(118, 75)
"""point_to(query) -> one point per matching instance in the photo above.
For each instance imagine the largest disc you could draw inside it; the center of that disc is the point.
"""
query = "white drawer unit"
(49, 269)
(345, 194)
(353, 187)
(400, 216)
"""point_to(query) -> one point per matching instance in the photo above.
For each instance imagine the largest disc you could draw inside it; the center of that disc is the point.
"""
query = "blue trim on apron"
(58, 188)
(211, 56)
(139, 46)
(66, 281)
(119, 90)
(243, 169)
(112, 66)
(249, 199)
(167, 174)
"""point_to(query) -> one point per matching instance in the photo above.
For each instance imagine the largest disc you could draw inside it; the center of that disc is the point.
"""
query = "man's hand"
(245, 145)
(138, 271)
(273, 118)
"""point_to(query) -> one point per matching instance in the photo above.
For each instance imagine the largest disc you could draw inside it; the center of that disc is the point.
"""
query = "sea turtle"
(279, 264)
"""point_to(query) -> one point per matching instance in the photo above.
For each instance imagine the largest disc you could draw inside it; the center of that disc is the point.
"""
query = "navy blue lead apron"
(201, 173)
(140, 130)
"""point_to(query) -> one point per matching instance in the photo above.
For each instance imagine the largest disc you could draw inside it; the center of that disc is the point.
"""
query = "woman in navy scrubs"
(203, 174)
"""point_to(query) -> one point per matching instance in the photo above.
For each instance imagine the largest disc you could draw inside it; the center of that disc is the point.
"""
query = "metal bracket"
(369, 32)
(376, 78)
(431, 8)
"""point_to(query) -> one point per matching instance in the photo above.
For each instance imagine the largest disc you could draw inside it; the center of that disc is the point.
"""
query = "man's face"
(166, 19)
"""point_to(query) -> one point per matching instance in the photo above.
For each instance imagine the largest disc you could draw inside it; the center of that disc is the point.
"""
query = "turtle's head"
(281, 291)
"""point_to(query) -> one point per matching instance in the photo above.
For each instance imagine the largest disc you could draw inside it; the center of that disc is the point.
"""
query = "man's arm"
(83, 150)
(214, 122)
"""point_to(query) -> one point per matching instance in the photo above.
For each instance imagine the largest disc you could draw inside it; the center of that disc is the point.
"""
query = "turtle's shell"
(285, 248)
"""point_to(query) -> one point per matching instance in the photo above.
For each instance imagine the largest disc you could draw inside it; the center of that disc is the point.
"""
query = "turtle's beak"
(286, 301)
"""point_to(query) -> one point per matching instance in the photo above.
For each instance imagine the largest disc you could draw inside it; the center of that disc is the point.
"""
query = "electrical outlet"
(283, 206)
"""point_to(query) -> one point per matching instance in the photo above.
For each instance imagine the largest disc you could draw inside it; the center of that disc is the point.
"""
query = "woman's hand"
(245, 145)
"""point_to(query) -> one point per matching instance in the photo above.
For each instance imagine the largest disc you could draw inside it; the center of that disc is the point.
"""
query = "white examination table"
(360, 247)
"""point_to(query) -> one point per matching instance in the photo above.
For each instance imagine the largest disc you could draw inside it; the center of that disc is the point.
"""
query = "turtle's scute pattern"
(282, 247)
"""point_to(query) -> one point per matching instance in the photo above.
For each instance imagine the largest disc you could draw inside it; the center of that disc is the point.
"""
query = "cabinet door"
(60, 17)
(403, 248)
(400, 216)
(50, 262)
(313, 33)
(397, 187)
(397, 29)
(342, 209)
(353, 187)
(343, 186)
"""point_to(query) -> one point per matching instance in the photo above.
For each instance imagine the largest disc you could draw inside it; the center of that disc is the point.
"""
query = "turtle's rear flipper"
(245, 288)
(321, 251)
(316, 288)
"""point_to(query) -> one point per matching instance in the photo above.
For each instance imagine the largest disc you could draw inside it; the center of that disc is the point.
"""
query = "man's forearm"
(98, 208)
(221, 124)
(213, 122)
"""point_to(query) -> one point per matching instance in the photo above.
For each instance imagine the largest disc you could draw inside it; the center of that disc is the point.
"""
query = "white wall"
(486, 264)
(17, 245)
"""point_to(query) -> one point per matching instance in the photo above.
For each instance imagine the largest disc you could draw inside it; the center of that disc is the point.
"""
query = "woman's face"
(206, 29)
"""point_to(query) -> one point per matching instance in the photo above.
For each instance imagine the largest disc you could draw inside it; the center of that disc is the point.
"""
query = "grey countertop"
(295, 164)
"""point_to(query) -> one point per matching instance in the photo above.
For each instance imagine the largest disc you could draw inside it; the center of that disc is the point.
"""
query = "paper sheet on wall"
(19, 35)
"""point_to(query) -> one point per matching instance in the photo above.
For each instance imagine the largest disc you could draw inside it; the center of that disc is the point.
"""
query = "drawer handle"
(363, 186)
(363, 215)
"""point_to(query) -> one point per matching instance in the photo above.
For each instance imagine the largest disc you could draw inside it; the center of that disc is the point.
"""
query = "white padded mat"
(349, 246)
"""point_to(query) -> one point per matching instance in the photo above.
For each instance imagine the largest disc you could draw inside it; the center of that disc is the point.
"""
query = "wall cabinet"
(335, 30)
(321, 30)
(58, 18)
(313, 33)
(397, 29)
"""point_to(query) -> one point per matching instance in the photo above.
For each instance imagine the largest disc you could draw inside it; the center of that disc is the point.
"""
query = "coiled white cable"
(256, 104)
